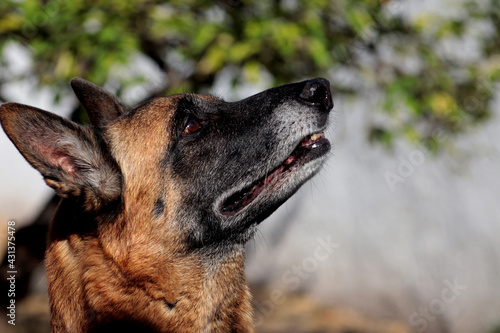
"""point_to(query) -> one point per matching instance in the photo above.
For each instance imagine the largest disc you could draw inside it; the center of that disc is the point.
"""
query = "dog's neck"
(101, 277)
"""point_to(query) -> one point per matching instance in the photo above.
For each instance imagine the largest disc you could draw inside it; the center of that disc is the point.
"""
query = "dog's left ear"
(71, 158)
(101, 106)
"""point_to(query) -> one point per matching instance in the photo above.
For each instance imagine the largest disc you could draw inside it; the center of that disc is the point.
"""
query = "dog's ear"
(71, 158)
(102, 107)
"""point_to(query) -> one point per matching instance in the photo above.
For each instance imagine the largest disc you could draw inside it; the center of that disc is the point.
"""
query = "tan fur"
(150, 233)
(130, 271)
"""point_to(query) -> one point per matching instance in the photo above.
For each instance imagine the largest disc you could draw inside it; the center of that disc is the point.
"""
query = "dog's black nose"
(317, 91)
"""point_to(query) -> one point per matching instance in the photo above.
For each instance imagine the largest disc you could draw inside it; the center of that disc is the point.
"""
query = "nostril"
(318, 94)
(317, 91)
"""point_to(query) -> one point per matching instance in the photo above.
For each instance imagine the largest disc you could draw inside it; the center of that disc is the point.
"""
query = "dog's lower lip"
(308, 149)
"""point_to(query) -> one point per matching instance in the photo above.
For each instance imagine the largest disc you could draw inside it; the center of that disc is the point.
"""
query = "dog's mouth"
(310, 148)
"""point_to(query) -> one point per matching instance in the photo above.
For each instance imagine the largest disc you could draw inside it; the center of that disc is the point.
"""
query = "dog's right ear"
(71, 158)
(102, 107)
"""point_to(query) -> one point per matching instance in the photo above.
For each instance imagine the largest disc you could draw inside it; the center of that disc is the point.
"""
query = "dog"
(158, 201)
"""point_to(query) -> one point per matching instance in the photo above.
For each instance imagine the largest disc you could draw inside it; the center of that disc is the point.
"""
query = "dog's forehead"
(144, 127)
(174, 103)
(205, 98)
(151, 122)
(204, 103)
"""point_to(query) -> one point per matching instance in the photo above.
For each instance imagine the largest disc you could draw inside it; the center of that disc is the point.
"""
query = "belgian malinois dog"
(159, 201)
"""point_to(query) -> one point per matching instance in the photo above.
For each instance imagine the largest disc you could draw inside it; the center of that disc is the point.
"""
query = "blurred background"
(398, 233)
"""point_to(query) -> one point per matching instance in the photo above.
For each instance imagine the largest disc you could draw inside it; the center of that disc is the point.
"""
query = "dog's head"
(209, 168)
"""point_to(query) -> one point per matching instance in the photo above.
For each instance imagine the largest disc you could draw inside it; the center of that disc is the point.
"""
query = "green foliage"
(290, 40)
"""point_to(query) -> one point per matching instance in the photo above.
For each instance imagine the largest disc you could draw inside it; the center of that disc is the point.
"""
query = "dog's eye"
(192, 126)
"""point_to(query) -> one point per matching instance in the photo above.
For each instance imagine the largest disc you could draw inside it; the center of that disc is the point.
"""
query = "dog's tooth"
(317, 136)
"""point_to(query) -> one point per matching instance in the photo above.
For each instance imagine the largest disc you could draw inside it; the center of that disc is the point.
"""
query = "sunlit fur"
(138, 241)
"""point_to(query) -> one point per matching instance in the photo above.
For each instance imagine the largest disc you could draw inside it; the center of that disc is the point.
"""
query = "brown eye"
(192, 126)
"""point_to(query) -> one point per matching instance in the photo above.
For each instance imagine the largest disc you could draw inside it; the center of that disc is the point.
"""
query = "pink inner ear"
(55, 158)
(66, 164)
